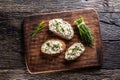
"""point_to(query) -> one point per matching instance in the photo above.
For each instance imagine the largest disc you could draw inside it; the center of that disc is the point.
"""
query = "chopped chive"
(48, 44)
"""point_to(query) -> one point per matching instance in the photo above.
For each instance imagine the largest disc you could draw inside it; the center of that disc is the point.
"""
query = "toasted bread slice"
(61, 28)
(53, 46)
(74, 51)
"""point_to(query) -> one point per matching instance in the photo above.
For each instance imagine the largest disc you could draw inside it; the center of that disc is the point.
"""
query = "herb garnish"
(62, 29)
(55, 47)
(84, 31)
(74, 50)
(57, 25)
(38, 28)
(48, 44)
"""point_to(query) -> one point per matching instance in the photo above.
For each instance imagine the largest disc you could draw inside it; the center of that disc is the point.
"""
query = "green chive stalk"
(38, 28)
(84, 31)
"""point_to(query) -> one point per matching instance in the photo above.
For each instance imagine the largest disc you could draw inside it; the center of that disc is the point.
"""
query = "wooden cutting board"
(37, 63)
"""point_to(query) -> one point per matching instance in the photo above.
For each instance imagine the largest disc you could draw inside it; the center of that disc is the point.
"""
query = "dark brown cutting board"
(37, 63)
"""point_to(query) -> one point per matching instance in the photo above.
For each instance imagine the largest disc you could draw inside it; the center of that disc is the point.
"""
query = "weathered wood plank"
(114, 5)
(38, 6)
(111, 55)
(10, 42)
(110, 26)
(21, 74)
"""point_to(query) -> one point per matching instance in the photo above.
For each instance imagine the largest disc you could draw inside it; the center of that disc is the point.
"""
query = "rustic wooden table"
(12, 64)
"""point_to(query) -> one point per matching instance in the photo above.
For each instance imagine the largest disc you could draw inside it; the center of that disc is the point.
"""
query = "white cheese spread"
(61, 27)
(52, 47)
(74, 51)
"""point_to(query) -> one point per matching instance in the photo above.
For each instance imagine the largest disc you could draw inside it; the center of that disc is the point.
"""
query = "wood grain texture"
(37, 63)
(91, 74)
(110, 26)
(38, 6)
(11, 40)
(111, 55)
(49, 5)
(114, 5)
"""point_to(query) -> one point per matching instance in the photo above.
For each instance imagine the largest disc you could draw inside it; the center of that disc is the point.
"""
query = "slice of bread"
(61, 28)
(53, 47)
(74, 51)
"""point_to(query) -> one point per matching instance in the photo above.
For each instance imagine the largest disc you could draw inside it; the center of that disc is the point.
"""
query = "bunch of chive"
(38, 28)
(84, 31)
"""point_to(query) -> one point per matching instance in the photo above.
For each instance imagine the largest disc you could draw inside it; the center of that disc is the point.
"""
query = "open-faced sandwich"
(74, 51)
(53, 46)
(61, 28)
